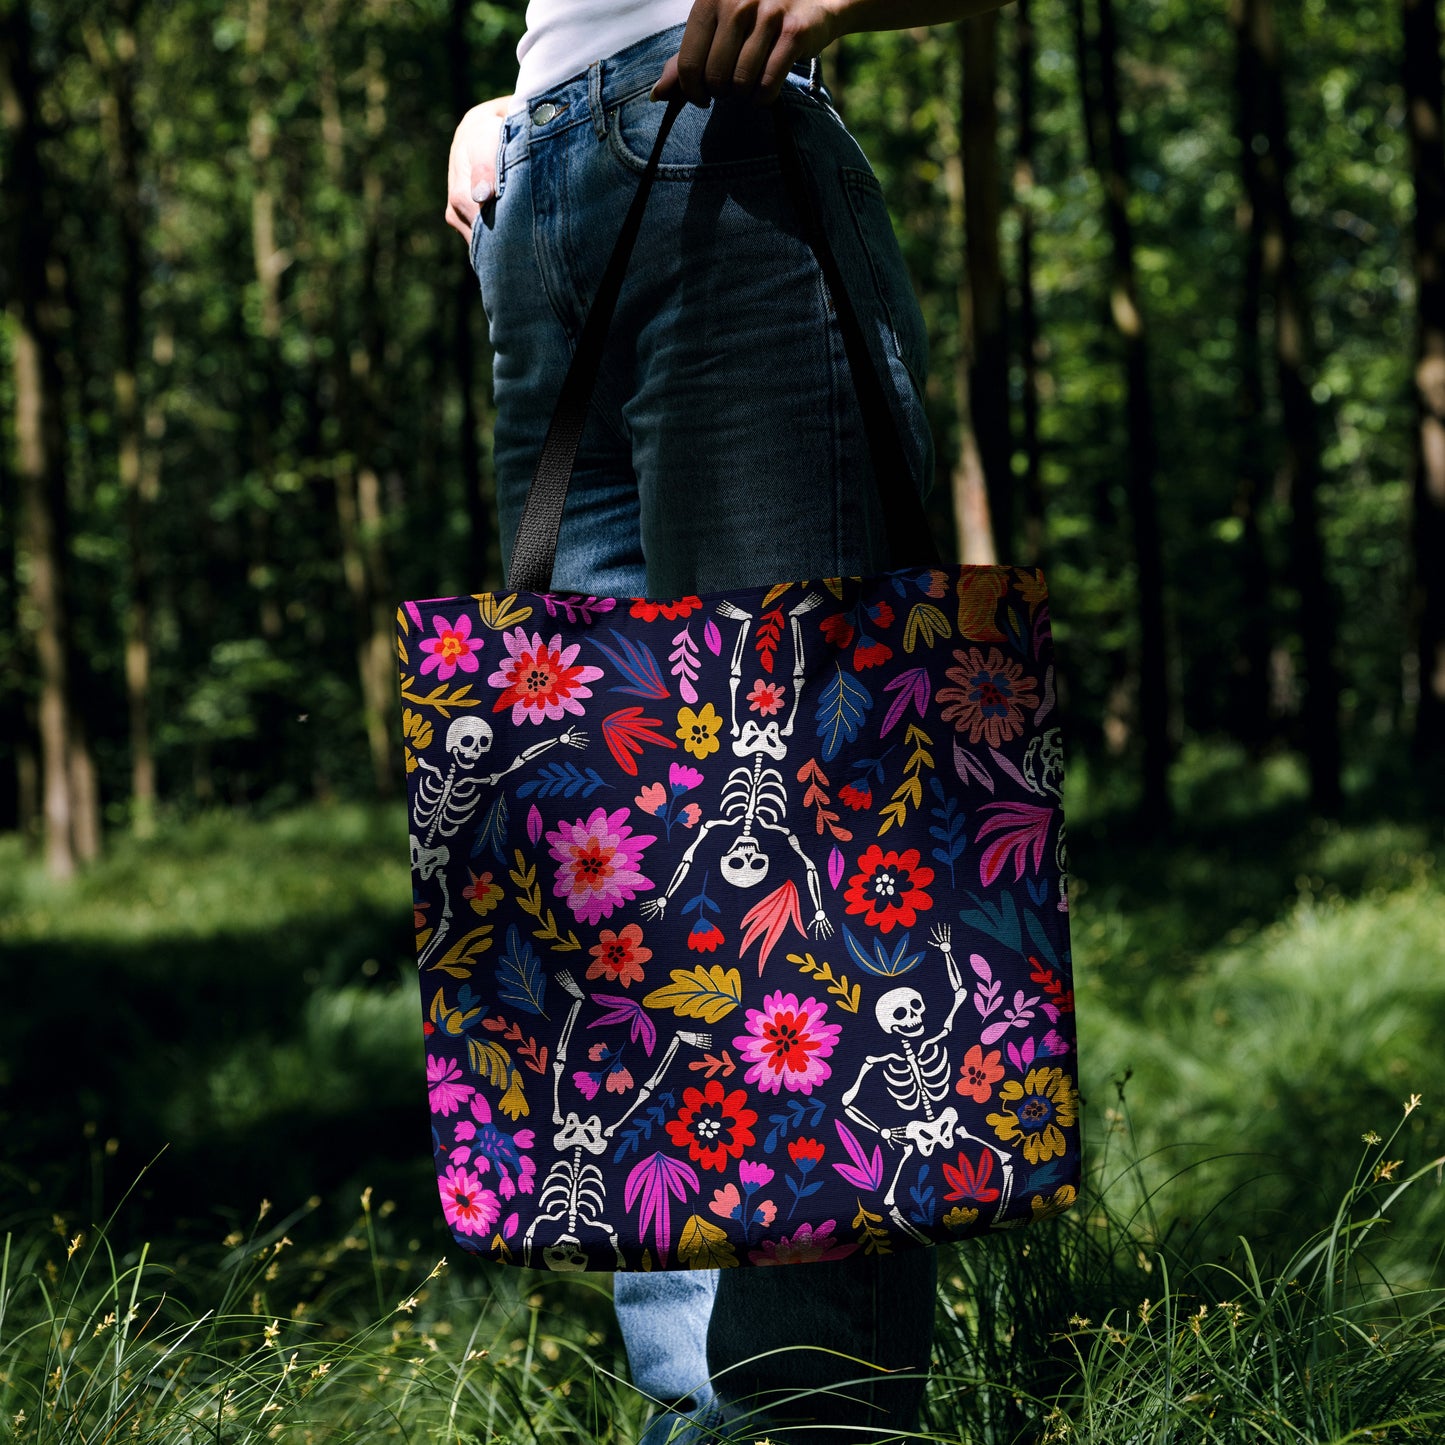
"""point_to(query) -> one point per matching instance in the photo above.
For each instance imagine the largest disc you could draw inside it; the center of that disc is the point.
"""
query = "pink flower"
(619, 1081)
(807, 1246)
(786, 1044)
(446, 1095)
(726, 1202)
(451, 648)
(765, 1212)
(682, 778)
(754, 1175)
(587, 1082)
(689, 814)
(469, 1208)
(598, 864)
(540, 679)
(652, 799)
(766, 697)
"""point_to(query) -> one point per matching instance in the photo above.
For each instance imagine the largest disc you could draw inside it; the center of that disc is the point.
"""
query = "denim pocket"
(890, 274)
(728, 138)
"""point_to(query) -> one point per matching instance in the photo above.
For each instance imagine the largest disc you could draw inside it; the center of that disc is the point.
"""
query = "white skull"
(426, 861)
(468, 738)
(900, 1011)
(743, 865)
(565, 1256)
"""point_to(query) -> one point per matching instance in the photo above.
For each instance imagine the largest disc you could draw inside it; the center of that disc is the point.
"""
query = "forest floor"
(225, 1015)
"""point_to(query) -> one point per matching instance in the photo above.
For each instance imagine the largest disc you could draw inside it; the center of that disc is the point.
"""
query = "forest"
(1183, 272)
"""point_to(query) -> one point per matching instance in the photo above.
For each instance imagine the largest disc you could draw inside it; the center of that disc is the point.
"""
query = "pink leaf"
(969, 768)
(768, 919)
(836, 866)
(1023, 827)
(863, 1172)
(713, 638)
(911, 686)
(534, 823)
(656, 1181)
(414, 612)
(686, 691)
(979, 964)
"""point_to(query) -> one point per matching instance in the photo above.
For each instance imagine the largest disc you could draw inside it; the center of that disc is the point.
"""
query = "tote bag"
(741, 919)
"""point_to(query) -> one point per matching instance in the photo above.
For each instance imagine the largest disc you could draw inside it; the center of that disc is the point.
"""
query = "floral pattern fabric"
(741, 921)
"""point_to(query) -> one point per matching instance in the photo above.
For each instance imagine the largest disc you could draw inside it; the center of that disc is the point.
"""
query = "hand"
(472, 165)
(744, 48)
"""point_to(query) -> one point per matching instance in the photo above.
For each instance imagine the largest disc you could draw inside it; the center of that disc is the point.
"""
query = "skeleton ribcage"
(909, 1089)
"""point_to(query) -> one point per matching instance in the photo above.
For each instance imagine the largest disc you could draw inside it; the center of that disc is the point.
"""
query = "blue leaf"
(1040, 937)
(566, 779)
(635, 661)
(520, 981)
(493, 832)
(841, 712)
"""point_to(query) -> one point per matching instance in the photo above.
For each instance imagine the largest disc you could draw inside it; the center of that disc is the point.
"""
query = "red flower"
(705, 937)
(766, 697)
(716, 1125)
(837, 629)
(541, 679)
(970, 1181)
(888, 888)
(858, 796)
(809, 1149)
(869, 653)
(881, 613)
(651, 611)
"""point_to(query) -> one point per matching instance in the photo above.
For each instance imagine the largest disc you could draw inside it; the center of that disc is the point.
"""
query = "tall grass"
(1088, 1330)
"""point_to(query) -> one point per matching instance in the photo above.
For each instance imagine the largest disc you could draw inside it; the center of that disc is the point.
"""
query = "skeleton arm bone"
(735, 670)
(559, 1061)
(572, 738)
(857, 1115)
(942, 939)
(822, 928)
(654, 907)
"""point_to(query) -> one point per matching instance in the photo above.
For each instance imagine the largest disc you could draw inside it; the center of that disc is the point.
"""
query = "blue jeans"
(724, 449)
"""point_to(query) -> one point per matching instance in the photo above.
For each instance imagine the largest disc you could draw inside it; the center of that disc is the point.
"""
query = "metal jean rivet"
(544, 112)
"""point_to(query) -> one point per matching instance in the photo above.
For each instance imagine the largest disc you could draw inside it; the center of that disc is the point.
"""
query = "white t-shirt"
(564, 37)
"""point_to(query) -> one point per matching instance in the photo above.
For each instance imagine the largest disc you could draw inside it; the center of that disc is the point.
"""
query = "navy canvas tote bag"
(741, 919)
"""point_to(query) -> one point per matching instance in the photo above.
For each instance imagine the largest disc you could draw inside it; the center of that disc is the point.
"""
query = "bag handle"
(534, 551)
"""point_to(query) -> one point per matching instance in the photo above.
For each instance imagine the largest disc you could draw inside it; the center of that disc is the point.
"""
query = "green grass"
(227, 1013)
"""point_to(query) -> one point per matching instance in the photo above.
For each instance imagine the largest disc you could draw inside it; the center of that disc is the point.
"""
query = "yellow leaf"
(710, 994)
(514, 1102)
(702, 1245)
(498, 612)
(926, 621)
(489, 1059)
(835, 586)
(401, 621)
(460, 957)
(447, 1020)
(774, 593)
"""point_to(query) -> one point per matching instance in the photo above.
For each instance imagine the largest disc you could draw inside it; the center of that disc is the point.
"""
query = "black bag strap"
(535, 549)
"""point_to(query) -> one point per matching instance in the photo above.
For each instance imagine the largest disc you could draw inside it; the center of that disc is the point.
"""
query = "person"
(723, 449)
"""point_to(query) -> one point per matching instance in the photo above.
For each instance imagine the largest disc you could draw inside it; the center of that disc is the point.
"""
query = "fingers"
(741, 48)
(472, 164)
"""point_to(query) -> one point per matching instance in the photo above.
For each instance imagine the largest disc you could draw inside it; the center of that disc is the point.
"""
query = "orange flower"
(978, 1073)
(619, 956)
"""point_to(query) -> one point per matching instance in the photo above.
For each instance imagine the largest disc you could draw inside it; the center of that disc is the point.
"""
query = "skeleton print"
(742, 924)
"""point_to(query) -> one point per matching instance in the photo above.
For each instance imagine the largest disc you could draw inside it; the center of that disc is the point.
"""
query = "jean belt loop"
(594, 99)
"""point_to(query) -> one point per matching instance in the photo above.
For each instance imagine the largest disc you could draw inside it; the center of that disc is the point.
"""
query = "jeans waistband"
(589, 95)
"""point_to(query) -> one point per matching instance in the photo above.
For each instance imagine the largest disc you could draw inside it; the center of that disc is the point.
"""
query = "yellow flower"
(1062, 1198)
(699, 730)
(1047, 1106)
(960, 1217)
(482, 893)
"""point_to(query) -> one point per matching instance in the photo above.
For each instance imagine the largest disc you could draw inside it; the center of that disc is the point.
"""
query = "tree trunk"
(1250, 714)
(39, 446)
(1099, 86)
(1300, 470)
(117, 62)
(973, 523)
(1425, 117)
(1030, 343)
(464, 308)
(270, 264)
(982, 205)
